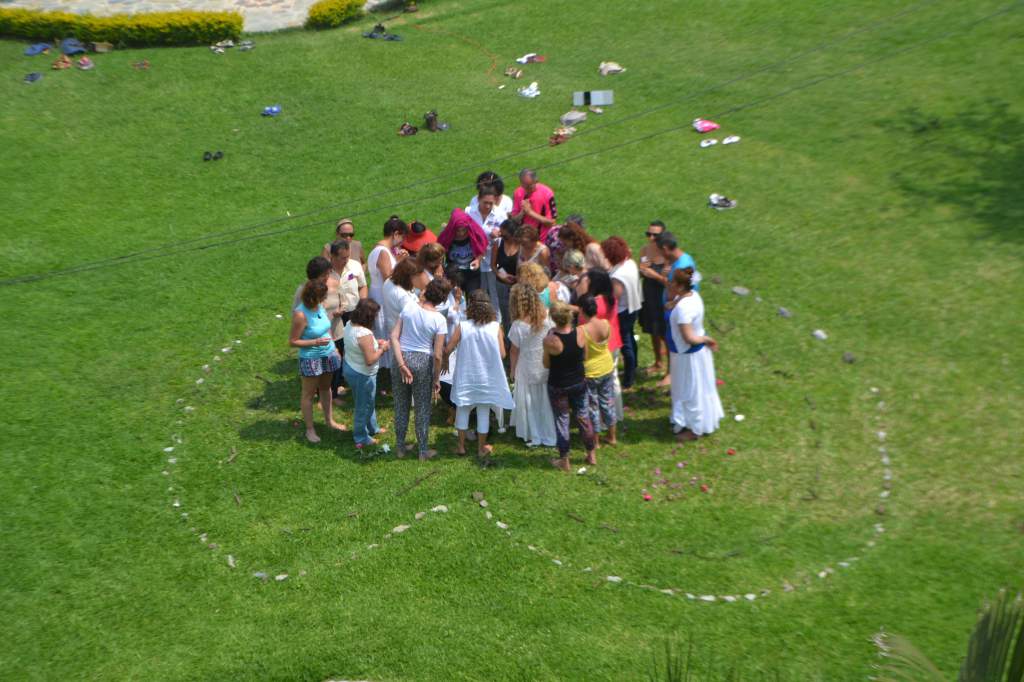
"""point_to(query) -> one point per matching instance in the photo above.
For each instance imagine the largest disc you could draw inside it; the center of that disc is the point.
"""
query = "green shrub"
(125, 30)
(333, 13)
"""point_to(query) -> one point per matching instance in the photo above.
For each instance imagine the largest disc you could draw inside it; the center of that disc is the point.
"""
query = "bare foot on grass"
(311, 436)
(338, 427)
(562, 463)
(427, 454)
(591, 458)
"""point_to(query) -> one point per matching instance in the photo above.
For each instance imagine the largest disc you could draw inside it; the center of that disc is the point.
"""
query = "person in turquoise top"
(677, 257)
(318, 357)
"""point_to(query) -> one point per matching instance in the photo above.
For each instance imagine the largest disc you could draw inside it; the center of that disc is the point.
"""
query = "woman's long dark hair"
(599, 283)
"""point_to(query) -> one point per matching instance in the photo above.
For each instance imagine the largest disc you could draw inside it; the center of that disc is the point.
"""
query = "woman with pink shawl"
(465, 243)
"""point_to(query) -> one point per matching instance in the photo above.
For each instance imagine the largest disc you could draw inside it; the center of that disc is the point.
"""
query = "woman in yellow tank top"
(598, 368)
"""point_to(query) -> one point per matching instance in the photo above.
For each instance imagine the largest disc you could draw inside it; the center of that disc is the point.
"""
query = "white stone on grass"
(420, 515)
(669, 592)
(707, 597)
(231, 561)
(614, 579)
(279, 316)
(819, 334)
(483, 503)
(281, 577)
(556, 562)
(440, 508)
(489, 515)
(881, 435)
(176, 503)
(739, 417)
(172, 460)
(499, 524)
(399, 529)
(169, 449)
(884, 494)
(750, 596)
(261, 575)
(729, 598)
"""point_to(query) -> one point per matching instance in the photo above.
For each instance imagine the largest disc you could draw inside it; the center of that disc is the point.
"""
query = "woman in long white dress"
(696, 408)
(532, 416)
(381, 262)
(479, 382)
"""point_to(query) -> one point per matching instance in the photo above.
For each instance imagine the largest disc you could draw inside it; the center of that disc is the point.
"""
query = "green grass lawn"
(880, 203)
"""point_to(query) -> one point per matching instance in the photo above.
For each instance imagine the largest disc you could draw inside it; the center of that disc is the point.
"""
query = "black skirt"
(652, 313)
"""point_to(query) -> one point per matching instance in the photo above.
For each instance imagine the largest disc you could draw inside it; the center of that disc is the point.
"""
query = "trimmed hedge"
(125, 30)
(333, 13)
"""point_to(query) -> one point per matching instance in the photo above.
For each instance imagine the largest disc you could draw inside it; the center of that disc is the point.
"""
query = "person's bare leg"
(656, 348)
(327, 404)
(461, 450)
(483, 450)
(592, 455)
(612, 439)
(309, 385)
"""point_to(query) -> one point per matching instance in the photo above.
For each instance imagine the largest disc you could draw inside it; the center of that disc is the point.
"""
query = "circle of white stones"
(556, 560)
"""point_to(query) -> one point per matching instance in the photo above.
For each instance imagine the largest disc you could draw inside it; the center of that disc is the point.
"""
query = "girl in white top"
(362, 355)
(533, 418)
(380, 263)
(399, 291)
(417, 341)
(696, 408)
(479, 381)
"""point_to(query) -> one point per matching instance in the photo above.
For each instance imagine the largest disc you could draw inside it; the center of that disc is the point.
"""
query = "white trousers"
(483, 417)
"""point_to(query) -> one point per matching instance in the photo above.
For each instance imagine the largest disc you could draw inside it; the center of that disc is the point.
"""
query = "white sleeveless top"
(377, 279)
(479, 378)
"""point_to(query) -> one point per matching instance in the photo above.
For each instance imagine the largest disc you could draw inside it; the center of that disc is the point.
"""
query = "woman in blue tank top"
(318, 357)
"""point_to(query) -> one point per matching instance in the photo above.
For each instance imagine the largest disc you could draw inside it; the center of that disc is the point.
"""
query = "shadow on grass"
(972, 161)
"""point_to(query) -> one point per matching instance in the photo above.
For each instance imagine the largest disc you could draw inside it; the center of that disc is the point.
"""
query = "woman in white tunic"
(479, 381)
(696, 408)
(381, 263)
(532, 416)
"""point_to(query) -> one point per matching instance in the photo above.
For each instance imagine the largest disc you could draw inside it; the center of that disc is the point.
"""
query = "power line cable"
(821, 47)
(734, 109)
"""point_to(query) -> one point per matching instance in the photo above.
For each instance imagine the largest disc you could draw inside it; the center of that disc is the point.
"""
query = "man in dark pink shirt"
(538, 209)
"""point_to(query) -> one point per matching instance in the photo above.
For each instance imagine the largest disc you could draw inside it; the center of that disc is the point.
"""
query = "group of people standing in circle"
(505, 312)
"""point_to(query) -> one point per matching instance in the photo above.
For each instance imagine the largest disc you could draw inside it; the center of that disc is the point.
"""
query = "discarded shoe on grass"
(272, 110)
(406, 129)
(38, 48)
(531, 58)
(216, 50)
(732, 139)
(72, 46)
(62, 63)
(218, 155)
(708, 143)
(141, 66)
(721, 202)
(530, 91)
(607, 68)
(207, 156)
(561, 135)
(33, 77)
(225, 43)
(573, 117)
(86, 64)
(704, 126)
(514, 73)
(246, 45)
(381, 33)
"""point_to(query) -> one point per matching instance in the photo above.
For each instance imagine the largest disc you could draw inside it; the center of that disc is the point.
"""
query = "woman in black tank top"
(567, 388)
(504, 266)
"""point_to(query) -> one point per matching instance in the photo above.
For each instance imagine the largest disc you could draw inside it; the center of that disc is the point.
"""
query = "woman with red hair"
(626, 286)
(465, 243)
